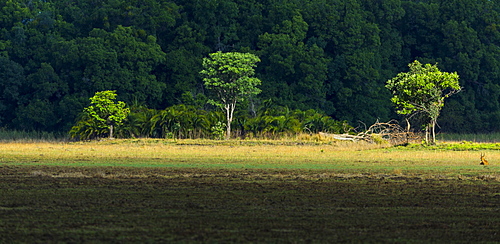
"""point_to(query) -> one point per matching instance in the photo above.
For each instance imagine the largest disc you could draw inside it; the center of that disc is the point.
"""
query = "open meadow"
(192, 191)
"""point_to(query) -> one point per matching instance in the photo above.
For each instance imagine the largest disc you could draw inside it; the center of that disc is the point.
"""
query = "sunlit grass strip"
(454, 146)
(341, 158)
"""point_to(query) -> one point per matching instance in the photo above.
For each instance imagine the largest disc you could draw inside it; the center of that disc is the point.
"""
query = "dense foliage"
(191, 121)
(230, 76)
(105, 112)
(421, 91)
(333, 56)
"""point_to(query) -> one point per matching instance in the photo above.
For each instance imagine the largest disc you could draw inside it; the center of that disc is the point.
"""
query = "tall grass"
(489, 137)
(31, 136)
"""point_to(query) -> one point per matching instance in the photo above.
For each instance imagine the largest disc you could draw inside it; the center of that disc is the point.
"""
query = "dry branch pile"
(391, 132)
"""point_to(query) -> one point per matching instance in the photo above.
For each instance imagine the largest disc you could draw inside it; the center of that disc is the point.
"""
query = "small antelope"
(483, 160)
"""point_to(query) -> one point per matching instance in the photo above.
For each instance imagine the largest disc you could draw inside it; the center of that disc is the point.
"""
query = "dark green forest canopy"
(330, 55)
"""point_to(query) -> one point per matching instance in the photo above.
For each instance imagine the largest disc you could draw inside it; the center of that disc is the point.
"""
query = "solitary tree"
(229, 75)
(423, 90)
(105, 111)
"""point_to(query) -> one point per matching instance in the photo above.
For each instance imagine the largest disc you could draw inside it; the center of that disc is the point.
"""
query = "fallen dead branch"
(391, 132)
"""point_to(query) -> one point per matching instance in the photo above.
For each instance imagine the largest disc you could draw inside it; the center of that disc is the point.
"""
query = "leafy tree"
(46, 84)
(120, 60)
(295, 72)
(105, 111)
(423, 90)
(11, 80)
(350, 35)
(230, 76)
(37, 115)
(184, 56)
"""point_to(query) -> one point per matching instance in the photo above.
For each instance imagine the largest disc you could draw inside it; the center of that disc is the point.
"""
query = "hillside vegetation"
(333, 56)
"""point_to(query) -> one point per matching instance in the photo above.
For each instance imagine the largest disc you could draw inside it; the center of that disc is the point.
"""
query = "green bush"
(191, 122)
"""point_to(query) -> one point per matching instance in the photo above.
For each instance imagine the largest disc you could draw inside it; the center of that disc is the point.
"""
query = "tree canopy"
(230, 76)
(105, 112)
(423, 90)
(332, 56)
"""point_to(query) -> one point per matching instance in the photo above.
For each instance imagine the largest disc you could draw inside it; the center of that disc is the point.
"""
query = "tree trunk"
(228, 129)
(229, 116)
(427, 134)
(408, 127)
(430, 133)
(110, 131)
(433, 132)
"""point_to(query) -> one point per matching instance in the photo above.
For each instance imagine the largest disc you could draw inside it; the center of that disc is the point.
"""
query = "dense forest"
(333, 56)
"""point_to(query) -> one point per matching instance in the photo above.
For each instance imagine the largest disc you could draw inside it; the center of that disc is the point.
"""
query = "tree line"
(189, 120)
(332, 56)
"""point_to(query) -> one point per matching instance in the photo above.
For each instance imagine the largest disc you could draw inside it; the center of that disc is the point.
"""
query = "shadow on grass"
(51, 204)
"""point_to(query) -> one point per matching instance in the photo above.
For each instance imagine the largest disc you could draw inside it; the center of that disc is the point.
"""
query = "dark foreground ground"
(120, 205)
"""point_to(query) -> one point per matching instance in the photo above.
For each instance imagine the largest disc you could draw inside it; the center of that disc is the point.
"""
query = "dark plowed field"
(115, 205)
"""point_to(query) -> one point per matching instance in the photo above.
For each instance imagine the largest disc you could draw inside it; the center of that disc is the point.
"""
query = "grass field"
(150, 191)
